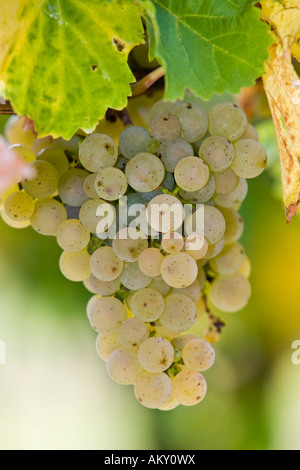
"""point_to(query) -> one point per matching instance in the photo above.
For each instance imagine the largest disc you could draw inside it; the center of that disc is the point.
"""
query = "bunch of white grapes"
(150, 290)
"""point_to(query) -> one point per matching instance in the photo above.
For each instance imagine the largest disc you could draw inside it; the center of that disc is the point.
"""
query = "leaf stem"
(142, 85)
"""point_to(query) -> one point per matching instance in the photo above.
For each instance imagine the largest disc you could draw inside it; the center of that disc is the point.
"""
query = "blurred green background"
(55, 392)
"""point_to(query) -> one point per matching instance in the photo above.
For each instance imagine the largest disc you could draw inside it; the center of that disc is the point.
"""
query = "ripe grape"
(172, 152)
(189, 387)
(150, 261)
(153, 390)
(104, 287)
(106, 314)
(75, 266)
(230, 293)
(145, 172)
(165, 213)
(19, 206)
(129, 244)
(165, 127)
(44, 181)
(147, 304)
(250, 158)
(98, 151)
(56, 157)
(133, 140)
(218, 153)
(72, 236)
(156, 354)
(230, 260)
(111, 184)
(105, 265)
(71, 189)
(198, 355)
(47, 216)
(227, 120)
(202, 195)
(106, 344)
(133, 333)
(226, 181)
(172, 242)
(180, 312)
(179, 270)
(123, 366)
(191, 173)
(194, 121)
(132, 277)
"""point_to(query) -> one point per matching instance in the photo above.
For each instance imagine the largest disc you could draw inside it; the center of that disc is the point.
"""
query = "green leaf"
(64, 62)
(207, 46)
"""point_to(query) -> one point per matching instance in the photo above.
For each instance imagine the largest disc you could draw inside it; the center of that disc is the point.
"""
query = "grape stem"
(142, 85)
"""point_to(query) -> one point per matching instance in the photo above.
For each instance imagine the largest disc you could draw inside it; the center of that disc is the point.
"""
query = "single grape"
(153, 390)
(105, 265)
(193, 291)
(172, 242)
(215, 249)
(133, 333)
(172, 152)
(233, 199)
(180, 313)
(56, 157)
(150, 261)
(72, 236)
(250, 158)
(111, 184)
(156, 354)
(129, 243)
(88, 214)
(165, 213)
(47, 216)
(230, 293)
(106, 314)
(39, 144)
(250, 133)
(71, 189)
(202, 195)
(44, 181)
(17, 131)
(98, 151)
(14, 223)
(214, 224)
(191, 174)
(226, 181)
(179, 270)
(147, 304)
(180, 342)
(162, 107)
(227, 120)
(157, 283)
(165, 127)
(218, 153)
(75, 266)
(104, 287)
(132, 277)
(106, 344)
(196, 246)
(133, 140)
(229, 260)
(24, 153)
(89, 186)
(198, 355)
(145, 172)
(4, 194)
(194, 121)
(19, 206)
(123, 366)
(189, 387)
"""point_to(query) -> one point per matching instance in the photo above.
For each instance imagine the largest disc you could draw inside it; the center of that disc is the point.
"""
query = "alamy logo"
(296, 354)
(2, 353)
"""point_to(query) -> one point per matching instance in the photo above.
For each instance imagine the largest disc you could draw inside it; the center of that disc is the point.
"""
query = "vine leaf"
(207, 46)
(65, 62)
(282, 86)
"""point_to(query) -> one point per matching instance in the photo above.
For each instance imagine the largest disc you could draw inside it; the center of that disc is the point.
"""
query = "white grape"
(47, 216)
(24, 153)
(165, 213)
(123, 366)
(98, 151)
(165, 127)
(145, 172)
(153, 390)
(245, 269)
(218, 153)
(189, 387)
(106, 314)
(150, 261)
(250, 158)
(19, 206)
(104, 287)
(71, 187)
(193, 291)
(191, 173)
(157, 283)
(162, 107)
(88, 214)
(44, 181)
(194, 121)
(202, 195)
(180, 313)
(72, 236)
(179, 270)
(226, 181)
(172, 242)
(75, 266)
(230, 293)
(227, 120)
(129, 243)
(105, 265)
(172, 403)
(132, 333)
(156, 354)
(106, 344)
(198, 355)
(89, 186)
(250, 133)
(132, 277)
(230, 260)
(39, 144)
(17, 132)
(172, 152)
(196, 246)
(133, 140)
(214, 249)
(13, 223)
(111, 184)
(147, 304)
(56, 157)
(214, 224)
(233, 199)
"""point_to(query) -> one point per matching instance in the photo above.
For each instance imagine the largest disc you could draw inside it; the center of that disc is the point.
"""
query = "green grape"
(179, 270)
(106, 344)
(233, 199)
(165, 127)
(162, 107)
(227, 120)
(56, 157)
(172, 242)
(129, 243)
(189, 387)
(202, 195)
(198, 355)
(250, 133)
(104, 287)
(229, 260)
(132, 277)
(145, 172)
(123, 366)
(17, 131)
(152, 145)
(4, 194)
(71, 145)
(218, 153)
(214, 224)
(88, 214)
(193, 291)
(98, 151)
(75, 266)
(234, 225)
(39, 144)
(194, 121)
(44, 181)
(226, 181)
(72, 236)
(150, 261)
(250, 158)
(196, 246)
(24, 153)
(19, 206)
(111, 184)
(106, 314)
(230, 293)
(89, 186)
(47, 216)
(147, 304)
(172, 152)
(153, 390)
(71, 189)
(180, 313)
(14, 223)
(133, 140)
(157, 283)
(156, 354)
(214, 249)
(132, 333)
(165, 213)
(105, 265)
(191, 173)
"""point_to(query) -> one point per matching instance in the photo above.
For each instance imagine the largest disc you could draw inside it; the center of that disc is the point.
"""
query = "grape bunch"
(151, 227)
